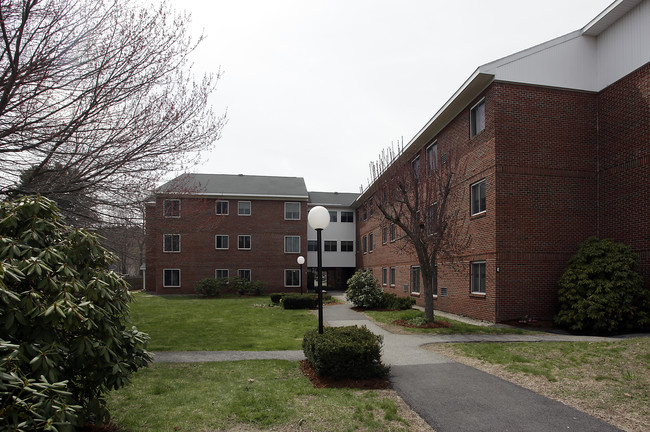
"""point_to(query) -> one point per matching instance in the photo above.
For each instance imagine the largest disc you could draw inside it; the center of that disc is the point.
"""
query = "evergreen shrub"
(364, 290)
(208, 287)
(297, 301)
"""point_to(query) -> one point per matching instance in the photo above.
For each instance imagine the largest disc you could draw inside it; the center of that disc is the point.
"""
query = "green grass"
(618, 372)
(187, 323)
(257, 394)
(457, 327)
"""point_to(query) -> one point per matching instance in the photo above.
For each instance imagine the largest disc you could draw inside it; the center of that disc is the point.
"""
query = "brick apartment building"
(557, 144)
(557, 141)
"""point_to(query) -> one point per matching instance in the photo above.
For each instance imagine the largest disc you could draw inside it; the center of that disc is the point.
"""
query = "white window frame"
(384, 276)
(477, 122)
(327, 243)
(227, 242)
(431, 156)
(165, 243)
(287, 213)
(239, 208)
(471, 194)
(392, 273)
(165, 279)
(216, 277)
(415, 282)
(371, 242)
(250, 274)
(250, 242)
(475, 266)
(216, 206)
(165, 201)
(286, 273)
(286, 244)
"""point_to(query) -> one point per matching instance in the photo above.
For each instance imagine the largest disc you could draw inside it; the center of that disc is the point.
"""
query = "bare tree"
(98, 95)
(424, 200)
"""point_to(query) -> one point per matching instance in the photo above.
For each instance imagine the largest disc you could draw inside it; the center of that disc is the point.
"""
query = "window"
(221, 274)
(478, 197)
(291, 211)
(384, 235)
(333, 216)
(171, 278)
(172, 243)
(478, 277)
(392, 276)
(371, 242)
(244, 274)
(244, 242)
(244, 208)
(292, 244)
(384, 275)
(221, 208)
(477, 118)
(365, 214)
(365, 244)
(312, 246)
(415, 165)
(330, 245)
(347, 216)
(347, 246)
(432, 156)
(392, 232)
(292, 278)
(221, 241)
(415, 280)
(172, 208)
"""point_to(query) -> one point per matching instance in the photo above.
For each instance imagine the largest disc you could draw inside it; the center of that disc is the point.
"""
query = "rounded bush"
(364, 290)
(602, 291)
(207, 287)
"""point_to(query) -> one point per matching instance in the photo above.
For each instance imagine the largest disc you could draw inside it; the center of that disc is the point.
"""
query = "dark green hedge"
(345, 352)
(297, 301)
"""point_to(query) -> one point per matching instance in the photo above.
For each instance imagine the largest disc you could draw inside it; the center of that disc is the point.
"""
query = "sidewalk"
(453, 397)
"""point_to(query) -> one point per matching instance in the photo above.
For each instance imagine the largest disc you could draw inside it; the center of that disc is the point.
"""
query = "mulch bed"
(435, 324)
(548, 325)
(325, 382)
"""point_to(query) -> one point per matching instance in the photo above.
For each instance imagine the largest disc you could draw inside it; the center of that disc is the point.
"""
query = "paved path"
(450, 396)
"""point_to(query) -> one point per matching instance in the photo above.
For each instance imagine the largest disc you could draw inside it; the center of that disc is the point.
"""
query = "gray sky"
(316, 89)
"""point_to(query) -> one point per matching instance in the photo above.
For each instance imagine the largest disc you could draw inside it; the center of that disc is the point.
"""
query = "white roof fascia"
(609, 16)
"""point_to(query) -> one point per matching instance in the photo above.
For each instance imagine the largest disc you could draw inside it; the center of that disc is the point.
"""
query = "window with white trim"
(393, 230)
(431, 154)
(222, 208)
(415, 280)
(172, 278)
(478, 197)
(172, 208)
(384, 276)
(347, 216)
(333, 216)
(171, 243)
(291, 244)
(477, 118)
(330, 246)
(347, 246)
(291, 278)
(371, 242)
(292, 211)
(221, 241)
(243, 242)
(244, 208)
(244, 274)
(478, 277)
(365, 244)
(221, 274)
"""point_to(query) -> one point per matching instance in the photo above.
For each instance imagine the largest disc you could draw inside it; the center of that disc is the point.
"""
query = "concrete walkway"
(450, 396)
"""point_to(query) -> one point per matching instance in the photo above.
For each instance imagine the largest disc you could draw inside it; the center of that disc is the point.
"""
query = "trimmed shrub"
(207, 287)
(602, 291)
(297, 301)
(276, 297)
(65, 335)
(345, 352)
(364, 290)
(391, 301)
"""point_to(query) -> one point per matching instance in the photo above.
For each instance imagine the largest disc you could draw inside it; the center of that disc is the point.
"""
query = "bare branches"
(100, 92)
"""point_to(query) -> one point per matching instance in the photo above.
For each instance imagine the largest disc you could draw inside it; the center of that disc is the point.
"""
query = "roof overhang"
(609, 16)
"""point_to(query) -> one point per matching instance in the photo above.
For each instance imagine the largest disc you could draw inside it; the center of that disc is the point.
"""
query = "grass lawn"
(457, 327)
(610, 380)
(187, 323)
(247, 396)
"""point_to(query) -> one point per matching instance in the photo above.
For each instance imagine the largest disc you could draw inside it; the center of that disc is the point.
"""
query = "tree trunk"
(430, 281)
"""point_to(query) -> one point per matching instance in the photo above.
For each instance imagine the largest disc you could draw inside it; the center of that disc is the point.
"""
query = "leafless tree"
(424, 200)
(98, 101)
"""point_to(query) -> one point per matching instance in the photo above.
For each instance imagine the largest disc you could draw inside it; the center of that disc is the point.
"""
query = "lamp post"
(319, 218)
(301, 261)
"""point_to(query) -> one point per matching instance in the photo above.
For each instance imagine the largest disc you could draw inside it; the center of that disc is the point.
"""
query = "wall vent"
(406, 288)
(443, 291)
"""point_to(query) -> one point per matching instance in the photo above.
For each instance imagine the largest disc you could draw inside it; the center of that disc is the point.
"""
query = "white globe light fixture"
(319, 218)
(301, 261)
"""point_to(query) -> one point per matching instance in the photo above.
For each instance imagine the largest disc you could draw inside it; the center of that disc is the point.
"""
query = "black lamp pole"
(320, 280)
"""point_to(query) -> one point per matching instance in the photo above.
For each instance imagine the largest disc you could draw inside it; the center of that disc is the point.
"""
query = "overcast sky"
(316, 89)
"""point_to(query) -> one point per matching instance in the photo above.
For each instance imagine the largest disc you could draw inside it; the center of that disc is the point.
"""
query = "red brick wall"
(198, 259)
(624, 137)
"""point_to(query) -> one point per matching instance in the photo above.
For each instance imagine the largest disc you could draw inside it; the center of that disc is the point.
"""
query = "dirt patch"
(326, 382)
